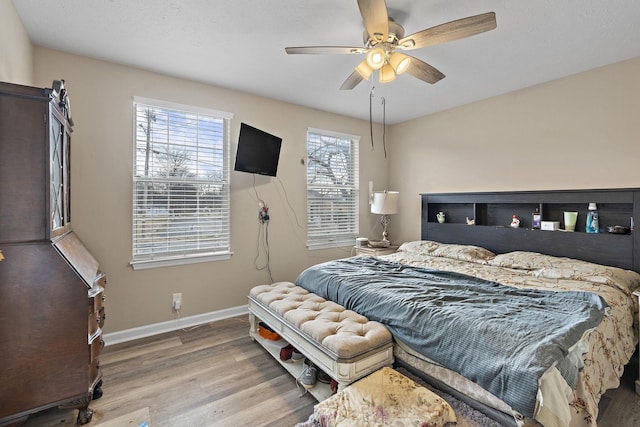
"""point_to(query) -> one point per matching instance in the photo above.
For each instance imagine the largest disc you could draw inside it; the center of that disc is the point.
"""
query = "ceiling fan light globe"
(364, 70)
(375, 58)
(399, 62)
(386, 74)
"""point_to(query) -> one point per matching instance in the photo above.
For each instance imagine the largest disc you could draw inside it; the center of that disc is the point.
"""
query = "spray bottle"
(592, 219)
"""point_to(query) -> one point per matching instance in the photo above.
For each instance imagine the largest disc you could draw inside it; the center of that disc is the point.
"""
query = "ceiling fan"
(383, 37)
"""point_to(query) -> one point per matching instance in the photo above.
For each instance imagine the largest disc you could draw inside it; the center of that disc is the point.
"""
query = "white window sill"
(183, 260)
(329, 245)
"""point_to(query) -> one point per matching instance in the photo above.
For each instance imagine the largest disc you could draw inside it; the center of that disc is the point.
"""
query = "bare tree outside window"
(332, 188)
(181, 183)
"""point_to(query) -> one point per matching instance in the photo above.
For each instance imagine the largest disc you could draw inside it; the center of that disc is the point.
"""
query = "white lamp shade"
(385, 203)
(375, 58)
(387, 74)
(364, 70)
(399, 62)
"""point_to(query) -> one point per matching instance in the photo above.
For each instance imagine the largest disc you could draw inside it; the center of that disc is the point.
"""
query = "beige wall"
(16, 58)
(101, 95)
(577, 132)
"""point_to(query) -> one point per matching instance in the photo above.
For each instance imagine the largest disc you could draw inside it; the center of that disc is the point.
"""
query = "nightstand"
(637, 295)
(368, 250)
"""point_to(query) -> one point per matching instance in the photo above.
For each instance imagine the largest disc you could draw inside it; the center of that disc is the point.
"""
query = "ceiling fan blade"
(352, 81)
(449, 31)
(324, 50)
(423, 71)
(375, 17)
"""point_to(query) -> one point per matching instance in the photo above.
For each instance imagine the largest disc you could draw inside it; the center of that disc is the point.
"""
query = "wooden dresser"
(51, 290)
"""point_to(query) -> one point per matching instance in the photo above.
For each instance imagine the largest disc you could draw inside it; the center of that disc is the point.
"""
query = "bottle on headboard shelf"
(593, 225)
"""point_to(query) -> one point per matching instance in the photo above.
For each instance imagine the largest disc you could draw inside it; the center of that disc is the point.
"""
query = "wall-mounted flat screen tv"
(258, 151)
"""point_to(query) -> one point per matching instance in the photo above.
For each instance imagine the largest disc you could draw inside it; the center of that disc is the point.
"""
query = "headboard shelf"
(492, 212)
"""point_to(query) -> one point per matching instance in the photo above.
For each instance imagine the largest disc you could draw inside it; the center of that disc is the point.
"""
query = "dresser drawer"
(94, 324)
(101, 317)
(96, 321)
(96, 299)
(94, 370)
(96, 346)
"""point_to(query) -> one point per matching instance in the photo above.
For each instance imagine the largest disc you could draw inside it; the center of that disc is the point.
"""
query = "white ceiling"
(239, 44)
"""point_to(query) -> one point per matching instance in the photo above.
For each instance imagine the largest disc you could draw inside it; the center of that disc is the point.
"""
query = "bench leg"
(342, 385)
(252, 325)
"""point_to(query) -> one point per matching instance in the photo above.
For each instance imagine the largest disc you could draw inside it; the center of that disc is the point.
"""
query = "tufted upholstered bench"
(341, 342)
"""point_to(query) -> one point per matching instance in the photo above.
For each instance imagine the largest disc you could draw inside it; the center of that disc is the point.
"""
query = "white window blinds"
(332, 188)
(180, 182)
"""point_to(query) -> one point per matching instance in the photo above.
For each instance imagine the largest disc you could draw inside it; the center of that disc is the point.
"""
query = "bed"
(529, 337)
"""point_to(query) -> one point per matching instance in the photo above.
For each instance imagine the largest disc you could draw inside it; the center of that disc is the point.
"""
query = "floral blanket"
(610, 345)
(384, 398)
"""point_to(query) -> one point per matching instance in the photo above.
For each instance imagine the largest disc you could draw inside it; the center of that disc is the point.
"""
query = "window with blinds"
(180, 184)
(332, 189)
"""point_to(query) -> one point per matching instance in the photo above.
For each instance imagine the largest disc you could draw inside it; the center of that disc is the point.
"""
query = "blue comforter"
(502, 338)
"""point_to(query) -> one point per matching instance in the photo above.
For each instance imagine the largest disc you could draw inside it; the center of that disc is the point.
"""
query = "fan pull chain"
(371, 115)
(384, 125)
(384, 121)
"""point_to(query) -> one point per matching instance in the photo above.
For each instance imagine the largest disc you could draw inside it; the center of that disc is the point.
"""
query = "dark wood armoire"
(51, 290)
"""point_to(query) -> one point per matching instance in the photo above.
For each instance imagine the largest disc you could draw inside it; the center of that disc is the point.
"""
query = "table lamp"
(384, 203)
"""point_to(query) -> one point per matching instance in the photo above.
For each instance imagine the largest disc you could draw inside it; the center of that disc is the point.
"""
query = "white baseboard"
(172, 325)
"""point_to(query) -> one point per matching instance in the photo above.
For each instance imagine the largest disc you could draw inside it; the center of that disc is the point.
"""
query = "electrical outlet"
(177, 301)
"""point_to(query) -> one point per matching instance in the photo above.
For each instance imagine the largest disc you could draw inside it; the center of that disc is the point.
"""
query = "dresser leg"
(82, 405)
(84, 416)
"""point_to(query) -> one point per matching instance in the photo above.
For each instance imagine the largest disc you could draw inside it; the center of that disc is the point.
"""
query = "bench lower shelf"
(321, 391)
(343, 371)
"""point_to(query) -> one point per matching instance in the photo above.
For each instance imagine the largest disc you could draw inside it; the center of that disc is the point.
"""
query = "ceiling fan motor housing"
(396, 32)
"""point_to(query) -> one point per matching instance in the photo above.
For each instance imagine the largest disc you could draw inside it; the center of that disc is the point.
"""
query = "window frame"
(316, 237)
(152, 259)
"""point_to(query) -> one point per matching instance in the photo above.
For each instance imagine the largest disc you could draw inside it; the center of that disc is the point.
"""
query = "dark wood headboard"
(493, 211)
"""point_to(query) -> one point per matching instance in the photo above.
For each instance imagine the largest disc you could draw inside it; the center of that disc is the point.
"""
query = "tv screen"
(258, 151)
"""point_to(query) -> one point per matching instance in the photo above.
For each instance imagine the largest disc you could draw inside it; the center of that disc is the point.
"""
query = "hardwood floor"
(215, 375)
